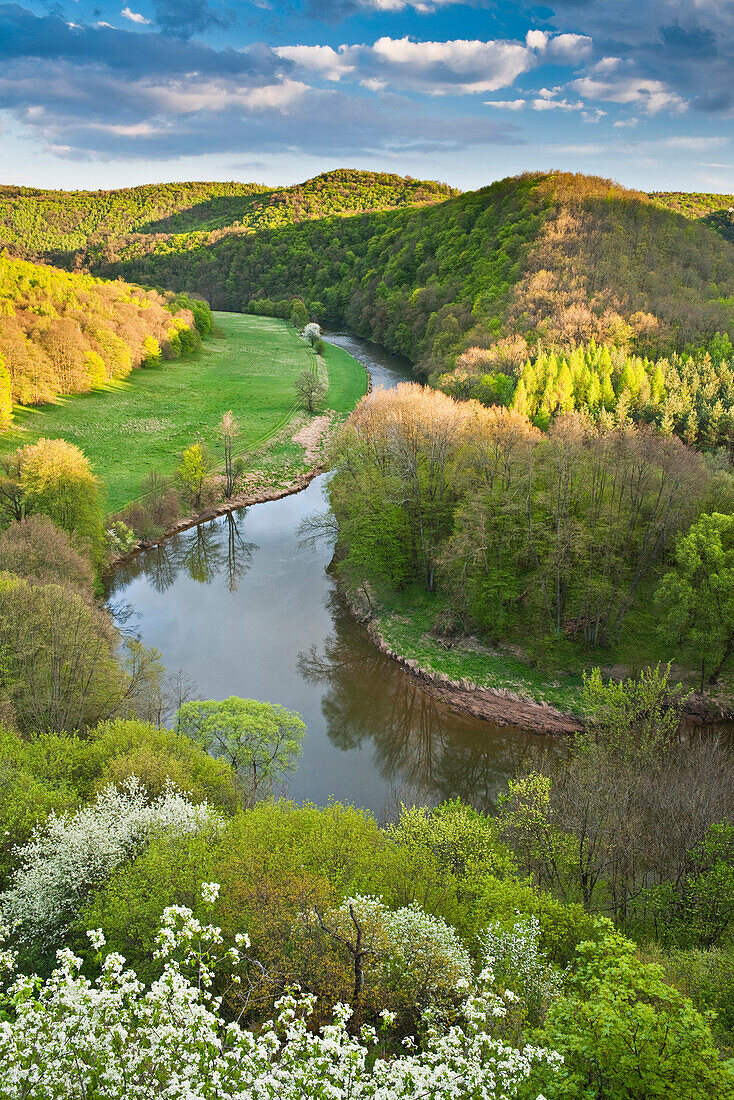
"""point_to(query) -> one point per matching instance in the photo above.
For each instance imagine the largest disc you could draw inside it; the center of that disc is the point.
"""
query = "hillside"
(424, 271)
(559, 257)
(64, 333)
(715, 211)
(93, 226)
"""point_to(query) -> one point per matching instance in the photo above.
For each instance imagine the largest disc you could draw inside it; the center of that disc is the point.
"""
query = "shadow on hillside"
(216, 213)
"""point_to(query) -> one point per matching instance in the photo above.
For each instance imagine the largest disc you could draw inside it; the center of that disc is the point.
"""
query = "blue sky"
(100, 94)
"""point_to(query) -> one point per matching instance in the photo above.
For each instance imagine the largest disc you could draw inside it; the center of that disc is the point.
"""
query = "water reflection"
(203, 553)
(418, 742)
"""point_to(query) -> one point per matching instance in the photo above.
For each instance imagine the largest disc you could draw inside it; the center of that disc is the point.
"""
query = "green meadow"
(128, 428)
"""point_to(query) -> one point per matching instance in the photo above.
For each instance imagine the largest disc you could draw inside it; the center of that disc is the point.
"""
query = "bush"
(39, 551)
(623, 1032)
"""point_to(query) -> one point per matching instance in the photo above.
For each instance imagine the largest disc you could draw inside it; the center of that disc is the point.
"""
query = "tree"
(310, 389)
(624, 1033)
(193, 472)
(58, 482)
(170, 1038)
(228, 431)
(35, 548)
(6, 400)
(260, 740)
(12, 497)
(697, 595)
(312, 333)
(299, 314)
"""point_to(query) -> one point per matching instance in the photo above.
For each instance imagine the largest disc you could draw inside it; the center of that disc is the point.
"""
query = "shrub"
(39, 551)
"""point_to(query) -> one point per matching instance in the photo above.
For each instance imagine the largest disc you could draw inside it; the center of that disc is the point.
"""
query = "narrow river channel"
(243, 608)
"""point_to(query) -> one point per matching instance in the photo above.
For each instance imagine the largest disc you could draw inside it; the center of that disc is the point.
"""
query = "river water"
(242, 607)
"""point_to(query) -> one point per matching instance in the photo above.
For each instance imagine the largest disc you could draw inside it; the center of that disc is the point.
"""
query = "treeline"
(62, 333)
(523, 533)
(558, 257)
(79, 228)
(715, 211)
(691, 394)
(51, 224)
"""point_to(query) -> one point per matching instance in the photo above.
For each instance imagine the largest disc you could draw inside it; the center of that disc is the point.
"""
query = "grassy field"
(143, 423)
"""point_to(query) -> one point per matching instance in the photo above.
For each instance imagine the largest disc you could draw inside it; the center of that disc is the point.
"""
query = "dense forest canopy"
(93, 226)
(716, 211)
(411, 264)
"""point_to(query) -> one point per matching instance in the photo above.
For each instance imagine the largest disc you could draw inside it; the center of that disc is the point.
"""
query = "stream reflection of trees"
(419, 743)
(201, 553)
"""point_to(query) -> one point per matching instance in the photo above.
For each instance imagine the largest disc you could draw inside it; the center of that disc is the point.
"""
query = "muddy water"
(244, 608)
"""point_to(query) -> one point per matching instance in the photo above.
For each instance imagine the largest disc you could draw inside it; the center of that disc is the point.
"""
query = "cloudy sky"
(100, 94)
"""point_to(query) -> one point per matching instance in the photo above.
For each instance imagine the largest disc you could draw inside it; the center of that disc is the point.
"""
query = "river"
(242, 607)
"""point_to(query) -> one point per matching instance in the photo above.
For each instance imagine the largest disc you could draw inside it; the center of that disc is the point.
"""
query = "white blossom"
(72, 854)
(123, 1041)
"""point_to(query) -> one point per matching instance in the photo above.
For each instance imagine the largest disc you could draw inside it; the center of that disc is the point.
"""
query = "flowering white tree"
(312, 333)
(409, 956)
(114, 1038)
(69, 855)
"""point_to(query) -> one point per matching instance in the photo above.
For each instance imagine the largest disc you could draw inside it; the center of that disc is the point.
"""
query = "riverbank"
(498, 683)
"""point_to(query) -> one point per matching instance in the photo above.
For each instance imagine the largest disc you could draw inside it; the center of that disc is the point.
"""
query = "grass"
(552, 673)
(406, 623)
(346, 385)
(143, 423)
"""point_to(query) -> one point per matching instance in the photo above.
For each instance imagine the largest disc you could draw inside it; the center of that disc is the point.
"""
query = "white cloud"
(593, 116)
(323, 60)
(543, 104)
(457, 66)
(651, 96)
(454, 67)
(683, 142)
(507, 104)
(134, 16)
(624, 123)
(536, 40)
(568, 49)
(181, 98)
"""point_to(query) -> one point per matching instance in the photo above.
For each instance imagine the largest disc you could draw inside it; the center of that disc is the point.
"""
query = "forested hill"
(715, 211)
(561, 257)
(68, 333)
(78, 227)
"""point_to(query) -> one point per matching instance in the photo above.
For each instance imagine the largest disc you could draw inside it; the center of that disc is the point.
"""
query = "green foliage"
(192, 472)
(714, 211)
(550, 256)
(520, 533)
(634, 718)
(697, 595)
(60, 771)
(95, 225)
(261, 741)
(623, 1032)
(691, 394)
(298, 315)
(143, 426)
(6, 395)
(36, 549)
(57, 481)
